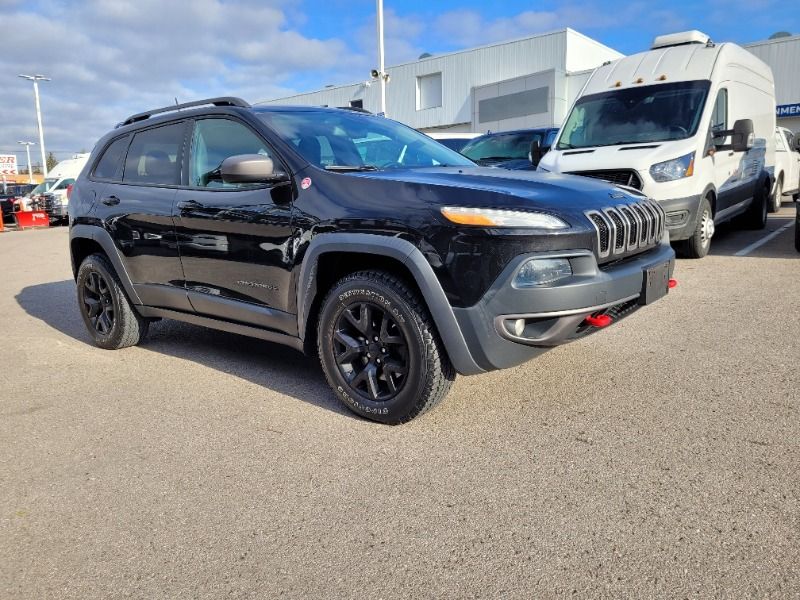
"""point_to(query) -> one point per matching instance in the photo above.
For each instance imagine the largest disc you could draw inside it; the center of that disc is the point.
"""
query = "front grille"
(49, 203)
(615, 176)
(627, 228)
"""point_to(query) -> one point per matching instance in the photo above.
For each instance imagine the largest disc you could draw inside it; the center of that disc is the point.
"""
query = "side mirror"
(250, 168)
(535, 154)
(742, 136)
(797, 143)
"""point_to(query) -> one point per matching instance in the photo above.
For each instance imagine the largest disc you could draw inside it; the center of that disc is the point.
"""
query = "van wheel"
(109, 316)
(756, 215)
(797, 230)
(777, 199)
(698, 245)
(379, 349)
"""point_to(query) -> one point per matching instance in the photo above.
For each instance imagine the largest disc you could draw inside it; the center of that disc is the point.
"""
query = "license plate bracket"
(655, 283)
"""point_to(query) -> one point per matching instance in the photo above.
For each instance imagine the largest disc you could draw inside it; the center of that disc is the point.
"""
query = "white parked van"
(690, 123)
(52, 195)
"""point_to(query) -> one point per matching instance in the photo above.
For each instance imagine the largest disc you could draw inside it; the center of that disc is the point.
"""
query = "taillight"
(69, 190)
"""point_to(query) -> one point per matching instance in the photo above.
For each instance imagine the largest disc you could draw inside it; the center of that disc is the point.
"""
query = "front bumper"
(681, 216)
(555, 314)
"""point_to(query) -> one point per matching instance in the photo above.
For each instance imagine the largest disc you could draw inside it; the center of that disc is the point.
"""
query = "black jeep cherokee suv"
(398, 260)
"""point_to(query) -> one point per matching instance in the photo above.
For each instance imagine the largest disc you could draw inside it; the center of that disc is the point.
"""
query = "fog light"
(540, 271)
(519, 327)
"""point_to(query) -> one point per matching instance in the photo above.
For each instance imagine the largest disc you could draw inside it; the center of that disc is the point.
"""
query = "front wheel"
(699, 243)
(380, 350)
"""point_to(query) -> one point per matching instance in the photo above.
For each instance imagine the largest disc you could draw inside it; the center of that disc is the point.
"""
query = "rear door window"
(154, 157)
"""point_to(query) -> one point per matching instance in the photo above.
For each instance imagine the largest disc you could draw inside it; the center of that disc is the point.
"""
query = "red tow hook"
(673, 283)
(598, 320)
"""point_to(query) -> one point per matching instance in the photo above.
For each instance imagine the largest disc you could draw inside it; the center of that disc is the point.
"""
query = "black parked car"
(516, 150)
(268, 222)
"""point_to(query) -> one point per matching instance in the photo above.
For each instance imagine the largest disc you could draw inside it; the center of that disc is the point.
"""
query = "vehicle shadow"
(731, 238)
(268, 365)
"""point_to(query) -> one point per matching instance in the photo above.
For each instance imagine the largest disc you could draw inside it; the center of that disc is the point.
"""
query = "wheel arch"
(88, 239)
(375, 251)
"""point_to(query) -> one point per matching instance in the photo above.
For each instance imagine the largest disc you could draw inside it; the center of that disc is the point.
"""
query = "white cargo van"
(52, 195)
(690, 123)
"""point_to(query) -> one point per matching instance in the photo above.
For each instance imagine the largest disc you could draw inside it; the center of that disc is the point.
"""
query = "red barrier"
(32, 218)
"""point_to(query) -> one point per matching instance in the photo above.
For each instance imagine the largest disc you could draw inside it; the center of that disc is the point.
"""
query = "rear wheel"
(797, 230)
(109, 316)
(777, 199)
(756, 215)
(379, 349)
(699, 243)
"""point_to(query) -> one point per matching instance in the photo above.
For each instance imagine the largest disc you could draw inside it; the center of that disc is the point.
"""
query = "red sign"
(32, 218)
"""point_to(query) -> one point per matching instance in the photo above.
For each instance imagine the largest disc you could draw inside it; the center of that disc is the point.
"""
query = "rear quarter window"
(109, 163)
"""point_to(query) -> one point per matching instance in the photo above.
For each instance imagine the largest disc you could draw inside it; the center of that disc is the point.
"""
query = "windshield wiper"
(346, 168)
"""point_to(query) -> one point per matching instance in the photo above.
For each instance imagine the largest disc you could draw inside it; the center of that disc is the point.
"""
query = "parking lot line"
(758, 243)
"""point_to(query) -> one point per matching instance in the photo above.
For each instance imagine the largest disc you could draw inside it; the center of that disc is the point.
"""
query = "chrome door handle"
(189, 205)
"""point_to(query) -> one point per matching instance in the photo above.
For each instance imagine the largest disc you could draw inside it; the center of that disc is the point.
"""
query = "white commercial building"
(782, 54)
(530, 82)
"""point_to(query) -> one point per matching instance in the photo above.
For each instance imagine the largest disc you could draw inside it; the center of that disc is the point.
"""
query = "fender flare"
(411, 257)
(102, 237)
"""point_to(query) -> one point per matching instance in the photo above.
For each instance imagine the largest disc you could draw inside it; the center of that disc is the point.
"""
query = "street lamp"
(36, 79)
(381, 74)
(28, 152)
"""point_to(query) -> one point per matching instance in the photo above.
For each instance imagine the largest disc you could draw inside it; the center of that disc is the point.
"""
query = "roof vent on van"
(680, 39)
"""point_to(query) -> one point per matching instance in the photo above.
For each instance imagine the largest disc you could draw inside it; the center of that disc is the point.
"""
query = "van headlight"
(541, 271)
(491, 217)
(677, 168)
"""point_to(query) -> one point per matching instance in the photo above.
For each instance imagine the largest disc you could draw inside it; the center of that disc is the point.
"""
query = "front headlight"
(490, 217)
(670, 170)
(541, 271)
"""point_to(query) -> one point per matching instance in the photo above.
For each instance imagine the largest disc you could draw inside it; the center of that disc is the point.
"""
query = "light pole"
(28, 152)
(381, 67)
(36, 79)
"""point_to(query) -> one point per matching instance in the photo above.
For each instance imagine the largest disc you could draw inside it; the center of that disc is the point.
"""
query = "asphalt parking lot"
(657, 459)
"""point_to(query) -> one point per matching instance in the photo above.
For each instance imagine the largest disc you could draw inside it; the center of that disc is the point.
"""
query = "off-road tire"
(429, 371)
(756, 215)
(698, 245)
(777, 197)
(127, 327)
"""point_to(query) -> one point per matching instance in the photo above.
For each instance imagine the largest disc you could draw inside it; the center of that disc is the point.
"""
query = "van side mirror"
(535, 154)
(742, 136)
(250, 168)
(797, 143)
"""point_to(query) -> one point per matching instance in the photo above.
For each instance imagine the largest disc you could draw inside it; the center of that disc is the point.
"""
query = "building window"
(356, 104)
(429, 91)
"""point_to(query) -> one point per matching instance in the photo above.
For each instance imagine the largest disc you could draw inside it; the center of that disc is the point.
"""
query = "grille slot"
(619, 237)
(602, 233)
(616, 176)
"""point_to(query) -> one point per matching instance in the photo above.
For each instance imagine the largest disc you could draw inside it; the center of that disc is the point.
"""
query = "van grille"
(627, 228)
(615, 176)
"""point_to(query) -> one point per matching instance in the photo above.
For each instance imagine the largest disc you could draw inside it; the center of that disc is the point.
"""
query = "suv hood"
(502, 188)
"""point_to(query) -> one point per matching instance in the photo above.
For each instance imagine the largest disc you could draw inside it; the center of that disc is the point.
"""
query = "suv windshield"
(653, 113)
(503, 146)
(42, 187)
(343, 140)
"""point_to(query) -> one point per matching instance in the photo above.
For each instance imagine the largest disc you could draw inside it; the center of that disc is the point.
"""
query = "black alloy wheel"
(371, 351)
(98, 303)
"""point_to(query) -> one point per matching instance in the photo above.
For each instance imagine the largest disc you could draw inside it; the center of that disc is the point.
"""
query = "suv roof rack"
(221, 101)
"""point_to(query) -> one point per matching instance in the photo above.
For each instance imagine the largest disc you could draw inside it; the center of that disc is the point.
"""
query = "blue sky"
(111, 58)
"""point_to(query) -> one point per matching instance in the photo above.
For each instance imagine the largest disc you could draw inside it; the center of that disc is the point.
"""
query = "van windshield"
(43, 187)
(652, 113)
